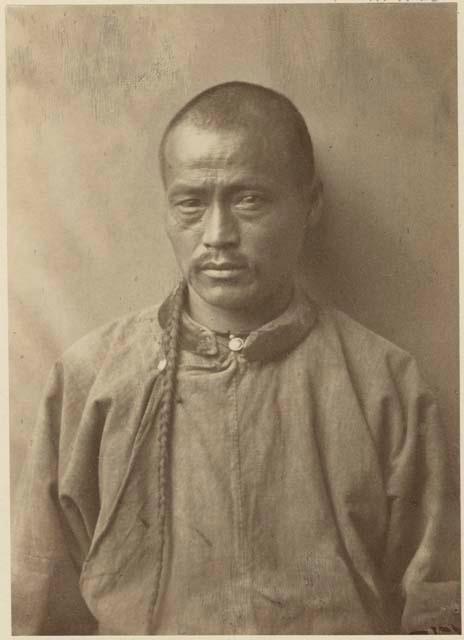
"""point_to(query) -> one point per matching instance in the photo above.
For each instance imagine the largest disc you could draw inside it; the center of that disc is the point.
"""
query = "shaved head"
(246, 107)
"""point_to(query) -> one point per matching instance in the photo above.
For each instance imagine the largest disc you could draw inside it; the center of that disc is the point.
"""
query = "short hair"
(237, 105)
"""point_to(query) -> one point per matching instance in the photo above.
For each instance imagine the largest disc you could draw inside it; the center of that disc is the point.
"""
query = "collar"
(271, 340)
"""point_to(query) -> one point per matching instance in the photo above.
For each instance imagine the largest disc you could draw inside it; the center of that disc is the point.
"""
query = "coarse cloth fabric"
(308, 486)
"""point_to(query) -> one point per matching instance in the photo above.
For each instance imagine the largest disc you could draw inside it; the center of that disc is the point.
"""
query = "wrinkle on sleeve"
(45, 580)
(422, 562)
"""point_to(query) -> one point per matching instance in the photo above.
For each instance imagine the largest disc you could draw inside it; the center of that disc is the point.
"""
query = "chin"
(227, 297)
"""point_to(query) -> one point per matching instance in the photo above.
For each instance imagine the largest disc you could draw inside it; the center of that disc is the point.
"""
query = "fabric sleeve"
(422, 559)
(45, 579)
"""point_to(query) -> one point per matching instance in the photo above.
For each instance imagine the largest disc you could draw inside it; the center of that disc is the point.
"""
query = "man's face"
(236, 217)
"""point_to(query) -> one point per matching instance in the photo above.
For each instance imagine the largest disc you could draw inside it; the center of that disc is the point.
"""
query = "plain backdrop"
(90, 89)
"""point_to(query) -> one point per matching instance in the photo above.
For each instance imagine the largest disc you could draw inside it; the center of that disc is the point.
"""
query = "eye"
(250, 202)
(190, 209)
(190, 204)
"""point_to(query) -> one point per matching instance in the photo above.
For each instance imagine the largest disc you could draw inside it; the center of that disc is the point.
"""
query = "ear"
(316, 201)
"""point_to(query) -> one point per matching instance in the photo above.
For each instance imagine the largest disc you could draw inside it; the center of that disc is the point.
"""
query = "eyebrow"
(240, 185)
(179, 187)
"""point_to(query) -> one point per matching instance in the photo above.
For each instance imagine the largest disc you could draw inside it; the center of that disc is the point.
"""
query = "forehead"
(255, 149)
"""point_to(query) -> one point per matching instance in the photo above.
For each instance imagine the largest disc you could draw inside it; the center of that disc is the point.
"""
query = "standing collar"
(268, 342)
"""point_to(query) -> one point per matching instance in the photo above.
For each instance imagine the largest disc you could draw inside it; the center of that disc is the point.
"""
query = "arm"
(422, 561)
(45, 578)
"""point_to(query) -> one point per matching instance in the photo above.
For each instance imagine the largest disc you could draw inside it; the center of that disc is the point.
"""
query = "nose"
(220, 227)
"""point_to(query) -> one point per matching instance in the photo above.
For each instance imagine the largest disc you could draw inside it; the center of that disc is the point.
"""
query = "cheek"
(277, 246)
(183, 241)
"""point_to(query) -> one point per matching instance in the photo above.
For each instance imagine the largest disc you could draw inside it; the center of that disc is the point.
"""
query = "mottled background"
(90, 89)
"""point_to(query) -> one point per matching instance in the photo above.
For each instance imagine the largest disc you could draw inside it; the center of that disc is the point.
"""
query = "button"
(235, 343)
(162, 364)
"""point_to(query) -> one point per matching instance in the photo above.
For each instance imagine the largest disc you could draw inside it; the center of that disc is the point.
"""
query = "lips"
(222, 266)
(223, 270)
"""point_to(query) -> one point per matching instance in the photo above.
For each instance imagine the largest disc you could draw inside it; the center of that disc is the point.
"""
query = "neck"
(242, 320)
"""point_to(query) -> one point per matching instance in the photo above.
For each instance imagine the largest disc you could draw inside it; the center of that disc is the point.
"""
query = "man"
(240, 459)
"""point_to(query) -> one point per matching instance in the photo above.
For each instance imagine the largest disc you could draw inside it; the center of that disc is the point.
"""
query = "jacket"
(308, 488)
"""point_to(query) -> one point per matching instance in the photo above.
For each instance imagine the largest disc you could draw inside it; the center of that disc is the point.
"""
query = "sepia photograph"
(233, 319)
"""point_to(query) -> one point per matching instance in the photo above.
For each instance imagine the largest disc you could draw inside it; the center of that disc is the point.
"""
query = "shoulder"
(131, 340)
(369, 356)
(356, 335)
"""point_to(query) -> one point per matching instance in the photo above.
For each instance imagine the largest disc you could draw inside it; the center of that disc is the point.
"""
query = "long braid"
(170, 344)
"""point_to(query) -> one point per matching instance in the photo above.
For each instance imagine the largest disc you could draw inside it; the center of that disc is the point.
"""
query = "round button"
(236, 344)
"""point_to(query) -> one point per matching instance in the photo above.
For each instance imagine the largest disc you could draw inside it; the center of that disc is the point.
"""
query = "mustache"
(209, 261)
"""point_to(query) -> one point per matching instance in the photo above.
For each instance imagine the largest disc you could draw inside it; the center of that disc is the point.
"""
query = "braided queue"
(170, 347)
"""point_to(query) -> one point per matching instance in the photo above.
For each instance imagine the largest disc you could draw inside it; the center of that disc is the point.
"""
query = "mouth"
(223, 270)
